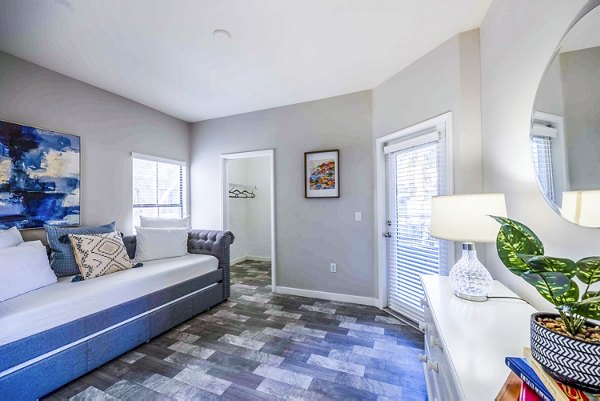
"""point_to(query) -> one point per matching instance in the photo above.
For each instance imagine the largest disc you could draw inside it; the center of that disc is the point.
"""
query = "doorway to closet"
(248, 206)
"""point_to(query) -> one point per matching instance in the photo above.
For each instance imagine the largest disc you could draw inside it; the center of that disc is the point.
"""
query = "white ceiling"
(162, 53)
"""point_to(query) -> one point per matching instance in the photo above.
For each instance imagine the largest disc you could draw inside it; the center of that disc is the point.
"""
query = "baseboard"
(237, 260)
(245, 258)
(259, 258)
(330, 296)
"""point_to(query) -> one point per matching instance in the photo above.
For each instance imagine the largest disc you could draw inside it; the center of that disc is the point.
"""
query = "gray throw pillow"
(62, 259)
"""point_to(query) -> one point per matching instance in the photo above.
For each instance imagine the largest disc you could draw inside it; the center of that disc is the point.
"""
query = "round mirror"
(565, 129)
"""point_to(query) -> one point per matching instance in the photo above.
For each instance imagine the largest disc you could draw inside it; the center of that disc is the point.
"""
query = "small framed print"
(322, 174)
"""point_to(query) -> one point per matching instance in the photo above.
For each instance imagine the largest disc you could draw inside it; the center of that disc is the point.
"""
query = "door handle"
(387, 235)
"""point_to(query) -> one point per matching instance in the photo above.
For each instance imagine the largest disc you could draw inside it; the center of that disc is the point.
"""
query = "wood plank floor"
(264, 346)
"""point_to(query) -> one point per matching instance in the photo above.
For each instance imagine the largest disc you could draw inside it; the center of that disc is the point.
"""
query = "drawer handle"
(433, 366)
(423, 358)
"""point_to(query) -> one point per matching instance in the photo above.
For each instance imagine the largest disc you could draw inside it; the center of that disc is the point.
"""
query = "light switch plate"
(357, 216)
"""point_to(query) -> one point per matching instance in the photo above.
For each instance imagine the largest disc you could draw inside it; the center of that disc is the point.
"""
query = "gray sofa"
(33, 365)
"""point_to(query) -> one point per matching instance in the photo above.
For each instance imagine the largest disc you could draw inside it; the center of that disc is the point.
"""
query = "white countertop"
(477, 336)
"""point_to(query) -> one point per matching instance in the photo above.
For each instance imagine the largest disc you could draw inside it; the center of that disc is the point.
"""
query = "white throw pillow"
(160, 222)
(159, 243)
(10, 237)
(24, 268)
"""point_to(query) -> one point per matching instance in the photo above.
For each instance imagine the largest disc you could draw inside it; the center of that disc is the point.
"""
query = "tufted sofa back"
(205, 242)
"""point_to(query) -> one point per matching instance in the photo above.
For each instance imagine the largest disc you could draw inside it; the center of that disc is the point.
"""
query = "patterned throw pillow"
(99, 254)
(62, 260)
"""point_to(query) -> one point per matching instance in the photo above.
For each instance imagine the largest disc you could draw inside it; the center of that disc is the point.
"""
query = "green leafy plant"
(523, 253)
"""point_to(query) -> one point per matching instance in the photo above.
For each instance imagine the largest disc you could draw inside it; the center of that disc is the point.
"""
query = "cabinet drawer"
(431, 384)
(436, 371)
(439, 369)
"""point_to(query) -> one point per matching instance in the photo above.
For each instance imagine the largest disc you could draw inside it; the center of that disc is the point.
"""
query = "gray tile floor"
(263, 346)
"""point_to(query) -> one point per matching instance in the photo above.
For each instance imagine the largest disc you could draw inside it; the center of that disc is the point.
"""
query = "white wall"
(250, 218)
(238, 211)
(311, 233)
(110, 126)
(517, 42)
(258, 232)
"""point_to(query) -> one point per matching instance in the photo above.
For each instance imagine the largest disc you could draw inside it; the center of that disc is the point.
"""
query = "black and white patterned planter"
(572, 361)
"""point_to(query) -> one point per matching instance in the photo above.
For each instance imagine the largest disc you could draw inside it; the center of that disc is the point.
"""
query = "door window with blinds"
(416, 171)
(158, 187)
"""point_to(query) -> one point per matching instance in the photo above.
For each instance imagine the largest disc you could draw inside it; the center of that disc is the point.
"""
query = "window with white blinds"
(158, 187)
(541, 150)
(416, 172)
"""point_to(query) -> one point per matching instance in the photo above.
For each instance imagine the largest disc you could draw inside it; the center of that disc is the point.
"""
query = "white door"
(417, 169)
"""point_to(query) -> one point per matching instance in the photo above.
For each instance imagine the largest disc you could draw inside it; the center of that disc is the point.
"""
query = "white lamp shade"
(466, 218)
(582, 207)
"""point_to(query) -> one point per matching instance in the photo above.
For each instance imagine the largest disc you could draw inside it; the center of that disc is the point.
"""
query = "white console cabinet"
(466, 342)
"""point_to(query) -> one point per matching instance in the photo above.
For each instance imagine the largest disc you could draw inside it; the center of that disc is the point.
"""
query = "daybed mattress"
(65, 301)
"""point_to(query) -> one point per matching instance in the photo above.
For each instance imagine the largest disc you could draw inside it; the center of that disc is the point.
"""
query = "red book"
(527, 394)
(575, 394)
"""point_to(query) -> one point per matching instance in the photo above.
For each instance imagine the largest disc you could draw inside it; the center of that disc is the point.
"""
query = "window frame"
(182, 186)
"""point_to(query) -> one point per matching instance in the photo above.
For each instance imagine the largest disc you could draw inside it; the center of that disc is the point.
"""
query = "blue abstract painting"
(39, 177)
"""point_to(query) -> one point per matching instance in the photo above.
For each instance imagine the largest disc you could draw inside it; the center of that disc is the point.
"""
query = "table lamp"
(465, 218)
(581, 207)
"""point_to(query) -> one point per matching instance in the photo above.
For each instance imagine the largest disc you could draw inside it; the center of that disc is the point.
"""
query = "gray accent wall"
(311, 233)
(549, 98)
(110, 126)
(446, 79)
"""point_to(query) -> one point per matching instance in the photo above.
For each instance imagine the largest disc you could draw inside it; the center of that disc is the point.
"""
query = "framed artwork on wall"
(322, 174)
(39, 177)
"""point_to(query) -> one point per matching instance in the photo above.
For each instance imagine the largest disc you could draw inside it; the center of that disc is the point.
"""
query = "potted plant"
(566, 344)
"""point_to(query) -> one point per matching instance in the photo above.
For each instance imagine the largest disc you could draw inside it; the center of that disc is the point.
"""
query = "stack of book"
(529, 382)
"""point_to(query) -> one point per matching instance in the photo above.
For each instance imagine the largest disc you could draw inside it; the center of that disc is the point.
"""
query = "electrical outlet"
(357, 216)
(333, 268)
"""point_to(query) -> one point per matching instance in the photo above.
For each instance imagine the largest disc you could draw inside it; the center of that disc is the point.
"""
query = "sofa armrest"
(215, 243)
